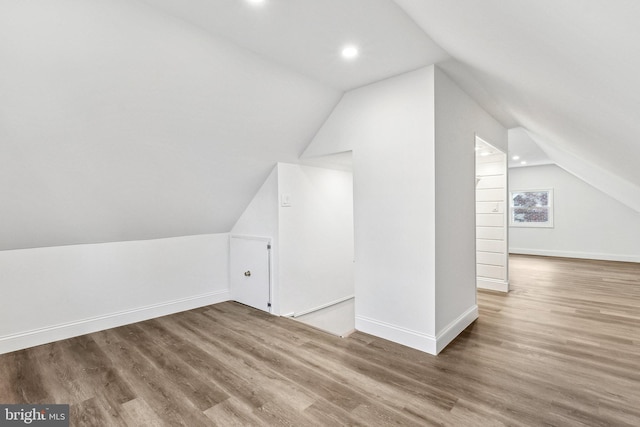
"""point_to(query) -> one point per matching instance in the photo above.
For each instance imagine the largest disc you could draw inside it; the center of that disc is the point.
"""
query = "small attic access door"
(250, 271)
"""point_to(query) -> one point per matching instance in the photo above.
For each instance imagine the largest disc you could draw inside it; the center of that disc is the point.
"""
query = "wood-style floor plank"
(563, 348)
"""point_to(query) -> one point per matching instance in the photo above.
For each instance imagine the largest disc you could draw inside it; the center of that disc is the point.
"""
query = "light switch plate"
(285, 200)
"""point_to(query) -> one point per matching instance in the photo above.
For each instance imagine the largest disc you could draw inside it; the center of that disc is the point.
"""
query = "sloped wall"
(606, 180)
(260, 219)
(121, 122)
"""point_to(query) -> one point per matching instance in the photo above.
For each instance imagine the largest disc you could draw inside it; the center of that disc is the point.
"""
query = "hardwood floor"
(563, 348)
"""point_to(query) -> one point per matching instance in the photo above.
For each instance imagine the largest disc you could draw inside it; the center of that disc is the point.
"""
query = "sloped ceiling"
(127, 119)
(566, 71)
(120, 122)
(523, 150)
(308, 35)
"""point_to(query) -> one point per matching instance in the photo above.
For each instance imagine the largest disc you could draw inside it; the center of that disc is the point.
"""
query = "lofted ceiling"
(307, 35)
(566, 71)
(137, 119)
(524, 151)
(121, 122)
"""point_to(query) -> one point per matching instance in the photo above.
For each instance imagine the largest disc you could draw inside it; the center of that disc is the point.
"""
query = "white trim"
(149, 239)
(454, 328)
(247, 237)
(320, 307)
(49, 334)
(572, 254)
(414, 339)
(492, 284)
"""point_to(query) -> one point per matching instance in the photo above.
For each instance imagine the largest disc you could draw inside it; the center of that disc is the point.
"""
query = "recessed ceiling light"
(256, 1)
(523, 162)
(516, 157)
(349, 52)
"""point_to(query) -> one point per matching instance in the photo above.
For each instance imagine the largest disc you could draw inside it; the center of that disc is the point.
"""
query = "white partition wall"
(491, 218)
(412, 138)
(308, 214)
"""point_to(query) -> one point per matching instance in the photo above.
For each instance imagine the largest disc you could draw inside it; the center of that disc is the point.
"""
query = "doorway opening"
(330, 304)
(492, 231)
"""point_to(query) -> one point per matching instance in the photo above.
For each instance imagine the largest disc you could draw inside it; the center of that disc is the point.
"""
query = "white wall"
(413, 139)
(458, 120)
(315, 237)
(587, 222)
(122, 122)
(260, 218)
(59, 292)
(389, 126)
(492, 249)
(312, 240)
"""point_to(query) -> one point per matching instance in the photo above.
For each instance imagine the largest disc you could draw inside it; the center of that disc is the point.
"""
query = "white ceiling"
(124, 120)
(523, 150)
(566, 70)
(119, 122)
(308, 35)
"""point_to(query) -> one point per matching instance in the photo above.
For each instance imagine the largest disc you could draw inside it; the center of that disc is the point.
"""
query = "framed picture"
(531, 208)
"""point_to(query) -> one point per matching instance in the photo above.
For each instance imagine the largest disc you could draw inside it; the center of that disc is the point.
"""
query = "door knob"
(247, 273)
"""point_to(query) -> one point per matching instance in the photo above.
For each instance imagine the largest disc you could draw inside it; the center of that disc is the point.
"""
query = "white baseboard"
(573, 254)
(492, 284)
(454, 328)
(323, 306)
(414, 339)
(49, 334)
